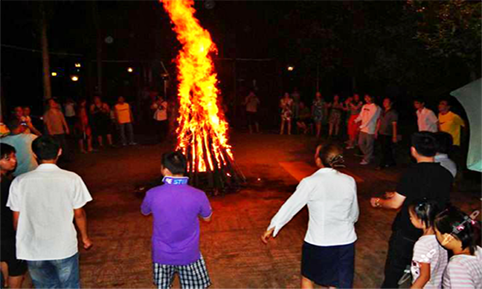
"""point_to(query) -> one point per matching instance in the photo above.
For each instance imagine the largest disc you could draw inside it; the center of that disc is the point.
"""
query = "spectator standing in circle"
(45, 202)
(426, 179)
(82, 127)
(429, 258)
(286, 105)
(252, 102)
(22, 142)
(387, 133)
(336, 109)
(368, 124)
(318, 112)
(159, 106)
(13, 270)
(354, 107)
(458, 233)
(26, 120)
(328, 252)
(101, 123)
(304, 120)
(57, 126)
(70, 109)
(450, 122)
(426, 119)
(124, 119)
(176, 208)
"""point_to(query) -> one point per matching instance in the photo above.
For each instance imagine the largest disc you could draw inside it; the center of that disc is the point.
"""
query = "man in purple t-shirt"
(176, 208)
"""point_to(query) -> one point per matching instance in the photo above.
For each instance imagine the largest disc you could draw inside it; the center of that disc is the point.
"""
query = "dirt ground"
(230, 244)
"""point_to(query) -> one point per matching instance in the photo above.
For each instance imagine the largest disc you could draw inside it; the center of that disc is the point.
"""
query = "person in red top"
(83, 128)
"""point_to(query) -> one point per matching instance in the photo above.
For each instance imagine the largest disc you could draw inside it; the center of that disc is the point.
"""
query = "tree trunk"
(96, 18)
(45, 52)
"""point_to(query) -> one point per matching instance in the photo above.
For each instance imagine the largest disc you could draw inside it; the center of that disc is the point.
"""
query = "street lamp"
(130, 70)
(290, 68)
(77, 65)
(74, 78)
(54, 74)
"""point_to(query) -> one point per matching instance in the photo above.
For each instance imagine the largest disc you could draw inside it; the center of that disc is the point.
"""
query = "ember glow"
(202, 131)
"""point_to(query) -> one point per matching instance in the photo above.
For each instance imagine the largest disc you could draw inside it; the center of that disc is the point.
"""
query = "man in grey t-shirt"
(387, 133)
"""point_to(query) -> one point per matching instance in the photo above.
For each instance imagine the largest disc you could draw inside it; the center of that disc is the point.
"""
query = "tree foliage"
(450, 29)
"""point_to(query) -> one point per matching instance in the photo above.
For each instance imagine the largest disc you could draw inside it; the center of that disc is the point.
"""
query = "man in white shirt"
(444, 144)
(331, 197)
(45, 202)
(368, 117)
(426, 118)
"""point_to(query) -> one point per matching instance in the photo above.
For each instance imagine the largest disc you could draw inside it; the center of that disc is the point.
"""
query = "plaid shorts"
(194, 275)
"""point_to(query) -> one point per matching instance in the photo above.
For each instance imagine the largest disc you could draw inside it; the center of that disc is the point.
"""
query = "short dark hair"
(6, 150)
(425, 143)
(425, 210)
(46, 148)
(14, 123)
(447, 100)
(175, 162)
(455, 222)
(444, 142)
(419, 99)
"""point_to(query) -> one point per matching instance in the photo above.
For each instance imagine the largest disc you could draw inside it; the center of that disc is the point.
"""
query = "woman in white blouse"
(328, 252)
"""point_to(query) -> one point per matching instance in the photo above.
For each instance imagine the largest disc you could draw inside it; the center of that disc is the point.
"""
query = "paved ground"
(235, 256)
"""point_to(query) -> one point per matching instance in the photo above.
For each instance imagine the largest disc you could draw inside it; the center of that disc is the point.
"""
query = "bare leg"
(109, 139)
(306, 283)
(289, 127)
(330, 131)
(100, 140)
(337, 128)
(15, 282)
(318, 130)
(282, 126)
(4, 269)
(89, 144)
(81, 146)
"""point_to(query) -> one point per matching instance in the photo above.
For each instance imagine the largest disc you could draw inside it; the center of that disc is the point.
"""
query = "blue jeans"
(63, 273)
(130, 133)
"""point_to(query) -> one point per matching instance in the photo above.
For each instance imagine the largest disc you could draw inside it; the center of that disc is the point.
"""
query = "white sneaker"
(364, 163)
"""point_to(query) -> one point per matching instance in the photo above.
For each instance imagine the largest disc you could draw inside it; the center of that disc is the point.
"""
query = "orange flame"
(202, 131)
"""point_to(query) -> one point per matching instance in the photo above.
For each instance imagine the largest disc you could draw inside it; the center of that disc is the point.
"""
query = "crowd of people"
(42, 202)
(426, 231)
(366, 123)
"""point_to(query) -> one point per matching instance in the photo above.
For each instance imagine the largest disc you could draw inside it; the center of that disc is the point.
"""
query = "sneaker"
(364, 163)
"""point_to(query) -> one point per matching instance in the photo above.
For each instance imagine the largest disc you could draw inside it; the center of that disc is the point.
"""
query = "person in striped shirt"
(455, 231)
(429, 258)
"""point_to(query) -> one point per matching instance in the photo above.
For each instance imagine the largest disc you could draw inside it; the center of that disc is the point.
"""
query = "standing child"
(429, 258)
(455, 231)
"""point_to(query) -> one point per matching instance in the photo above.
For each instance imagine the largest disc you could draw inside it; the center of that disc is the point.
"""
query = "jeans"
(130, 133)
(366, 142)
(63, 273)
(399, 256)
(62, 140)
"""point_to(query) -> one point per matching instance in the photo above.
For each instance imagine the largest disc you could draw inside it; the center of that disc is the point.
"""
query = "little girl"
(455, 231)
(429, 258)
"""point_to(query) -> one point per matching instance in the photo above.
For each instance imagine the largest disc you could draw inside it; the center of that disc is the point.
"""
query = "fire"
(202, 131)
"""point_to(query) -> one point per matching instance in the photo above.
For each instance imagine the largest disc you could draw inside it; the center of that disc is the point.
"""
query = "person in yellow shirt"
(450, 122)
(123, 114)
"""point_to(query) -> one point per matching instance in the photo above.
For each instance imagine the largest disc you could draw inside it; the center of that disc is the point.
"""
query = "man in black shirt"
(426, 179)
(13, 270)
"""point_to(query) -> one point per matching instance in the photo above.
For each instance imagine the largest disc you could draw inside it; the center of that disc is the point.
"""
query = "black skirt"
(330, 265)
